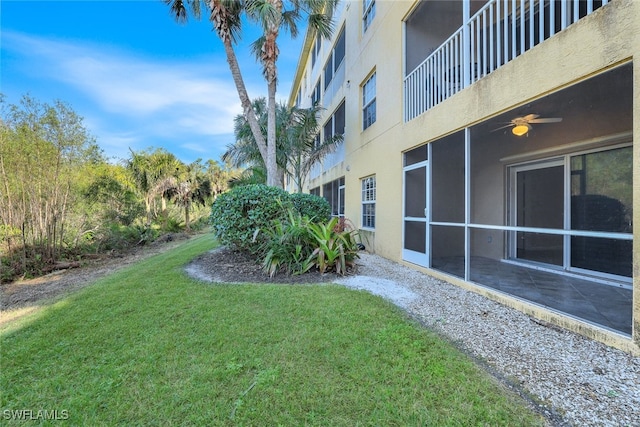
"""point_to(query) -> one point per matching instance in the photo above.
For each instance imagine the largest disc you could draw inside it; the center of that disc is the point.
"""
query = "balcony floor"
(604, 305)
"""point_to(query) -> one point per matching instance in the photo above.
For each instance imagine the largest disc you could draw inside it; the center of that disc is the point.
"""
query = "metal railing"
(499, 32)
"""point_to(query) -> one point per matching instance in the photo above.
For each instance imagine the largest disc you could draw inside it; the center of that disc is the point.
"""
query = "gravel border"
(572, 379)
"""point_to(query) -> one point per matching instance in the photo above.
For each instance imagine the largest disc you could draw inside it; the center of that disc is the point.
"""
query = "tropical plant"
(336, 250)
(221, 176)
(288, 246)
(191, 187)
(271, 16)
(304, 146)
(153, 173)
(298, 145)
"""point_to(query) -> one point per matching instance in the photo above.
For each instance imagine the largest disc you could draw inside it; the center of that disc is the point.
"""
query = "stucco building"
(490, 143)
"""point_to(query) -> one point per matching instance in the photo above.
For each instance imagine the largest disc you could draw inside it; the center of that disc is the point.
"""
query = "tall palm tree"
(305, 148)
(298, 147)
(271, 15)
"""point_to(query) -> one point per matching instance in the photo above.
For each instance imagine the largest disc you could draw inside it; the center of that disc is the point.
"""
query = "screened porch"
(452, 44)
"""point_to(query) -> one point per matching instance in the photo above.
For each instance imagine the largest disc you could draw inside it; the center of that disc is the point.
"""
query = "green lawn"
(149, 346)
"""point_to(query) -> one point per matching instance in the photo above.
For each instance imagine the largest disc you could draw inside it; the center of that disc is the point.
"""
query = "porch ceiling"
(599, 106)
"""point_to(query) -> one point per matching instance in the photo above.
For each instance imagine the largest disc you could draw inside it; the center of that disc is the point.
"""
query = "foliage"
(315, 207)
(336, 250)
(304, 147)
(298, 146)
(288, 246)
(44, 150)
(60, 198)
(118, 237)
(299, 244)
(110, 195)
(288, 233)
(191, 186)
(238, 215)
(153, 172)
(272, 17)
(149, 343)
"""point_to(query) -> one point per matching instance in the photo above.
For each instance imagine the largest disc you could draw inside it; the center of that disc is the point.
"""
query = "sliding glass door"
(574, 212)
(538, 202)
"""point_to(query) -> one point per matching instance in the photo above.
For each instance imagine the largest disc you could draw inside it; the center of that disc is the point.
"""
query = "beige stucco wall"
(608, 37)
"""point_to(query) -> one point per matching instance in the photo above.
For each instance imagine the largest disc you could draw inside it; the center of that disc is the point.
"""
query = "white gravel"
(577, 381)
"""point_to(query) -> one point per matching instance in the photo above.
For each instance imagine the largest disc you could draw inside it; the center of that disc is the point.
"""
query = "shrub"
(288, 246)
(316, 208)
(239, 214)
(335, 249)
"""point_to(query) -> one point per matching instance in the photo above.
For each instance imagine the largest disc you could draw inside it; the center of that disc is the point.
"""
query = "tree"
(298, 145)
(221, 176)
(150, 172)
(304, 147)
(44, 149)
(191, 187)
(272, 16)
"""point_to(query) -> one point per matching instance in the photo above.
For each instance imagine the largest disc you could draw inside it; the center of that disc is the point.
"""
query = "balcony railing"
(499, 32)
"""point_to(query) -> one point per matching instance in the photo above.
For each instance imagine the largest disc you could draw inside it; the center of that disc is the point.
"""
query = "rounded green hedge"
(237, 214)
(315, 208)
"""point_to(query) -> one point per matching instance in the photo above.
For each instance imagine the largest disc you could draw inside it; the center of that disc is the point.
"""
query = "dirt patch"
(228, 266)
(221, 265)
(16, 297)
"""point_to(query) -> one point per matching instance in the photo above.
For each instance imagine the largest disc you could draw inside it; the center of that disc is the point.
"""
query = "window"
(315, 51)
(335, 125)
(369, 102)
(333, 192)
(315, 96)
(335, 59)
(369, 202)
(315, 191)
(369, 13)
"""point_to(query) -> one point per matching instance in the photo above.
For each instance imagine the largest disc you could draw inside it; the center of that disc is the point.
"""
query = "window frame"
(334, 62)
(316, 95)
(315, 51)
(337, 118)
(368, 187)
(369, 105)
(368, 13)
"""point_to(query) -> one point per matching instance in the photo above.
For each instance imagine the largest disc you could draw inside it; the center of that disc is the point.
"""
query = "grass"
(149, 346)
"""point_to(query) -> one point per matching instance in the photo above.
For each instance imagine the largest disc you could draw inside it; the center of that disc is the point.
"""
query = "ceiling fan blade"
(547, 120)
(503, 127)
(530, 117)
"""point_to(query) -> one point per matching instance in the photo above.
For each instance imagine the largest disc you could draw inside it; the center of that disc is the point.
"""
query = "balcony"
(493, 32)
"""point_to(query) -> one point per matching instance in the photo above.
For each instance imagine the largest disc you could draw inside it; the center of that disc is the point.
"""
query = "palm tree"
(271, 15)
(298, 147)
(304, 145)
(150, 172)
(192, 187)
(221, 176)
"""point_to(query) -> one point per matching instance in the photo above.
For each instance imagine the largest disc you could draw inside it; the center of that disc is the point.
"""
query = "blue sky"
(138, 78)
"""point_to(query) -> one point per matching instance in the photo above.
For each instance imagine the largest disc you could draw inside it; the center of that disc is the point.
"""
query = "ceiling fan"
(522, 125)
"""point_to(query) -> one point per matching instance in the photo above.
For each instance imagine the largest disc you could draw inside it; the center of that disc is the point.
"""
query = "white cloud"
(186, 105)
(198, 95)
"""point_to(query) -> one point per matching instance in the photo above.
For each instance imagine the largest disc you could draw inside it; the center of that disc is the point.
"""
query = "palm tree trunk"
(269, 58)
(186, 217)
(218, 11)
